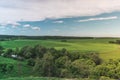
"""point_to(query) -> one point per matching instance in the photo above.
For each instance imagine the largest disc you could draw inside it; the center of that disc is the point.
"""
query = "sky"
(86, 18)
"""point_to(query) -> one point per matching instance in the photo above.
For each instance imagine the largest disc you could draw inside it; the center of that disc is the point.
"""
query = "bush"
(111, 42)
(30, 62)
(8, 53)
(63, 40)
(105, 78)
(6, 68)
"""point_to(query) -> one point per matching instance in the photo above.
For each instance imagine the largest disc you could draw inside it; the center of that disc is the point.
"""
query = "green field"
(106, 50)
(20, 68)
(32, 78)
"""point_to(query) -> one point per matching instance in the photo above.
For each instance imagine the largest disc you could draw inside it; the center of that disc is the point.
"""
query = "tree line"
(115, 42)
(12, 37)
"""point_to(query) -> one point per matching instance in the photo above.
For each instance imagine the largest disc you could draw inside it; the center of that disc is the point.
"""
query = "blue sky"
(60, 17)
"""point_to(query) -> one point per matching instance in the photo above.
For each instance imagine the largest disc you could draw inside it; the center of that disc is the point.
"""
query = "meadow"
(20, 68)
(32, 78)
(105, 50)
(101, 46)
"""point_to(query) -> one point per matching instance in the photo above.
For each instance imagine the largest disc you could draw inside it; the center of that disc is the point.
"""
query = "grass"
(20, 68)
(32, 78)
(7, 60)
(42, 78)
(106, 50)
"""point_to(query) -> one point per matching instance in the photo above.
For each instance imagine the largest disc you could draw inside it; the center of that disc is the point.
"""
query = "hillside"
(101, 46)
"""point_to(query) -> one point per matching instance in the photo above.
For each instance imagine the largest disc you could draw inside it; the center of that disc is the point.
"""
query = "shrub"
(63, 40)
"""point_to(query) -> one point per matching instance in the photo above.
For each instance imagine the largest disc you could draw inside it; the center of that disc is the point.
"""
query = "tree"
(63, 66)
(45, 66)
(6, 68)
(26, 52)
(1, 49)
(63, 40)
(17, 51)
(118, 41)
(39, 51)
(100, 70)
(30, 62)
(82, 67)
(61, 62)
(95, 57)
(22, 51)
(8, 53)
(74, 55)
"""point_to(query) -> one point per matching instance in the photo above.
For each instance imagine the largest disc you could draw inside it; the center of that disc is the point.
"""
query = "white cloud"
(27, 26)
(30, 10)
(58, 21)
(31, 27)
(98, 19)
(36, 28)
(12, 23)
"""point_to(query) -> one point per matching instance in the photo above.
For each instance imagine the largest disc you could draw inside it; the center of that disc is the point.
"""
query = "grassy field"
(20, 68)
(106, 50)
(32, 78)
(43, 78)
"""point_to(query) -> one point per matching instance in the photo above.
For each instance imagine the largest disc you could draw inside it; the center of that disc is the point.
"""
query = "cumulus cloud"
(10, 23)
(27, 26)
(31, 10)
(58, 21)
(13, 24)
(98, 19)
(36, 28)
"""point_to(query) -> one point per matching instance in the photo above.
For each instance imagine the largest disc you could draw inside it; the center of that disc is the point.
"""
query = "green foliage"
(46, 66)
(33, 78)
(26, 52)
(105, 78)
(50, 62)
(82, 67)
(8, 53)
(109, 69)
(30, 62)
(1, 50)
(63, 40)
(95, 57)
(6, 68)
(64, 60)
(10, 68)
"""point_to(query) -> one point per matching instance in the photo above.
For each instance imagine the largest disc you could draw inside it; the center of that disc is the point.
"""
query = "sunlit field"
(101, 46)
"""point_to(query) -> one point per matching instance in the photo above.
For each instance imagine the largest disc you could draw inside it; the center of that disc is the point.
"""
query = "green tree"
(39, 51)
(45, 66)
(82, 67)
(8, 53)
(1, 49)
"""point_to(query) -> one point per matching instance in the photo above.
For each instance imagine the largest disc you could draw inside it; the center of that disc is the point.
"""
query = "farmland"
(102, 46)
